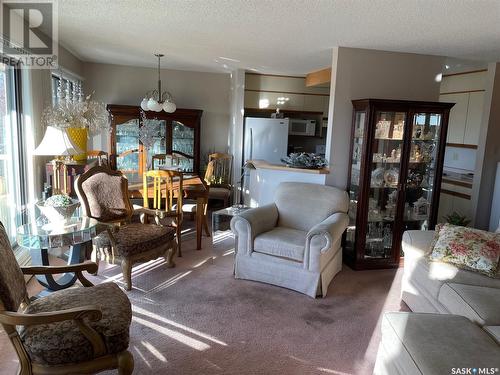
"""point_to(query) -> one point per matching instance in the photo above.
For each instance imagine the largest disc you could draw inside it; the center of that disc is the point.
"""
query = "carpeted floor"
(197, 319)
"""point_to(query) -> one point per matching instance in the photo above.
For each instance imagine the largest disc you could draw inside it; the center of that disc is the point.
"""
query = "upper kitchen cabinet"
(466, 90)
(288, 93)
(474, 117)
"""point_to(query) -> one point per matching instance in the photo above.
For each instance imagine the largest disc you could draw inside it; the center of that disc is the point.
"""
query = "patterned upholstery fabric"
(105, 198)
(12, 284)
(63, 342)
(136, 238)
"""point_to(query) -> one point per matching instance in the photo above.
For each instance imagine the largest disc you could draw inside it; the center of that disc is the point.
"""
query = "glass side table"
(221, 219)
(76, 233)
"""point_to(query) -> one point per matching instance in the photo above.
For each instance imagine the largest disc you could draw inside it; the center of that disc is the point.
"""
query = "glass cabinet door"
(354, 188)
(384, 175)
(426, 129)
(183, 143)
(127, 148)
(158, 132)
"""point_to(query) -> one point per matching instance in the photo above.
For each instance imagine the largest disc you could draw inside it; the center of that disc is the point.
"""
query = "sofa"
(455, 323)
(294, 242)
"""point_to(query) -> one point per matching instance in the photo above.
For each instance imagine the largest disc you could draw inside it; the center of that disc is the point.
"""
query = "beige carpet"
(197, 319)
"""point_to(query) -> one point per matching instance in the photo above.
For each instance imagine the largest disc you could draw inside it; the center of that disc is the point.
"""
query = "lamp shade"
(56, 142)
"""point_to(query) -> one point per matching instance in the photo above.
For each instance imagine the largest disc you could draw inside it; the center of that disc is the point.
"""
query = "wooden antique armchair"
(72, 331)
(103, 194)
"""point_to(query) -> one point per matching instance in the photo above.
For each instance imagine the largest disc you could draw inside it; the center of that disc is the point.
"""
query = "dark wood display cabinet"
(177, 132)
(397, 153)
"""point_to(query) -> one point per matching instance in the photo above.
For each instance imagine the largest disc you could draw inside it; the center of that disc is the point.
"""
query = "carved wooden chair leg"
(178, 239)
(170, 254)
(127, 273)
(96, 257)
(205, 225)
(125, 363)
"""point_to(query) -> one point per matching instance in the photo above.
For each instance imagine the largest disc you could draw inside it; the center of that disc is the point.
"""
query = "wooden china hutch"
(396, 164)
(177, 132)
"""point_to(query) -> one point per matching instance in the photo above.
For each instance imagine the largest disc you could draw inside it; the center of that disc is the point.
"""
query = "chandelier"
(156, 100)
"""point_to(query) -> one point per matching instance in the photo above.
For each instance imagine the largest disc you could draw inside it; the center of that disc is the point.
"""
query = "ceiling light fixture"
(156, 100)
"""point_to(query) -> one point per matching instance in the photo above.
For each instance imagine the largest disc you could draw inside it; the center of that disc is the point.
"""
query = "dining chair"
(71, 331)
(159, 161)
(218, 177)
(102, 157)
(167, 192)
(103, 194)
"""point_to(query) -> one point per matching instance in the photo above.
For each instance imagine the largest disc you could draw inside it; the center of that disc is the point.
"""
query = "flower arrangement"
(305, 160)
(58, 200)
(85, 114)
(58, 208)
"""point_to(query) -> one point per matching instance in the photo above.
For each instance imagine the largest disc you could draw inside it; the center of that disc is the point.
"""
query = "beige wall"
(360, 74)
(116, 84)
(488, 152)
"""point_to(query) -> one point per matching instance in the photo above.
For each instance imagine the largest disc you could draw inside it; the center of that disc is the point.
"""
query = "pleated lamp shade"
(56, 142)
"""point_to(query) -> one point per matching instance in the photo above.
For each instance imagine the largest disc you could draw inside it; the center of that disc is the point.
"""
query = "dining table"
(193, 187)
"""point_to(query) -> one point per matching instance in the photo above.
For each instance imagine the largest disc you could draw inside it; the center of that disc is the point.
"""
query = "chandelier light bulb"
(152, 104)
(144, 104)
(169, 107)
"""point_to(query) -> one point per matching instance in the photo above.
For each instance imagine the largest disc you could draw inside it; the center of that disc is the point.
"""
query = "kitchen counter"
(262, 164)
(262, 179)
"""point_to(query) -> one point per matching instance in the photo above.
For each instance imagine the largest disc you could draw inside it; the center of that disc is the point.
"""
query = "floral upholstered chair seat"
(62, 342)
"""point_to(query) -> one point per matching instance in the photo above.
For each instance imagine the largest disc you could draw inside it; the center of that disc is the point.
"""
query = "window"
(70, 88)
(12, 177)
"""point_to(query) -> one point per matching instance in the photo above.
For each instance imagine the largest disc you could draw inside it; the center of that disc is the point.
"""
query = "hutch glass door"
(127, 149)
(158, 130)
(385, 172)
(183, 144)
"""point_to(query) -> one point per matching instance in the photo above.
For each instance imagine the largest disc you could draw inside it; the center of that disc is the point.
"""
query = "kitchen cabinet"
(465, 117)
(474, 118)
(397, 154)
(458, 116)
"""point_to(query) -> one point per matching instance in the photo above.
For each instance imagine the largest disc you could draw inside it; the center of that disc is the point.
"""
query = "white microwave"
(302, 127)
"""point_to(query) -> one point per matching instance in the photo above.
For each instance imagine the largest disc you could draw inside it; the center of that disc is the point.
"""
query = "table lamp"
(56, 142)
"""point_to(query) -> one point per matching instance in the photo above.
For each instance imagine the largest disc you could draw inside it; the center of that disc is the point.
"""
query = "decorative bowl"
(56, 213)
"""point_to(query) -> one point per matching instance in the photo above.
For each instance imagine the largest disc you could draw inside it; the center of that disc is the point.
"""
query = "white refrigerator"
(265, 139)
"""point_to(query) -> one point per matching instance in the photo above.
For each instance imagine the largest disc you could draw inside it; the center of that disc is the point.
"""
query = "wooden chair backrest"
(101, 156)
(103, 194)
(168, 181)
(169, 160)
(218, 171)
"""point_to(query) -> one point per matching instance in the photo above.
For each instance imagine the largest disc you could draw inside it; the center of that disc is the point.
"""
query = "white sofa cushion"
(282, 242)
(433, 344)
(422, 273)
(478, 303)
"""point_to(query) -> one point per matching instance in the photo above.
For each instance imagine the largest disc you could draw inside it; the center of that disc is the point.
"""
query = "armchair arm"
(322, 236)
(78, 314)
(90, 267)
(251, 223)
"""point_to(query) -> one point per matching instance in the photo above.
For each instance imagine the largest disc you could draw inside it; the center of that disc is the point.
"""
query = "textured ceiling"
(273, 36)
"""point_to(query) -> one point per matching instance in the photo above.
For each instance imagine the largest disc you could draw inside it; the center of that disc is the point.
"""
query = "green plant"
(58, 200)
(456, 219)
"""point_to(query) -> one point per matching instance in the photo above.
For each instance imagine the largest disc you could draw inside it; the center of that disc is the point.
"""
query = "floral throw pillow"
(468, 248)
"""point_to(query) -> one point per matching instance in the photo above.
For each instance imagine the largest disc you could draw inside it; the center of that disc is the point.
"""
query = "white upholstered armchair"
(294, 242)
